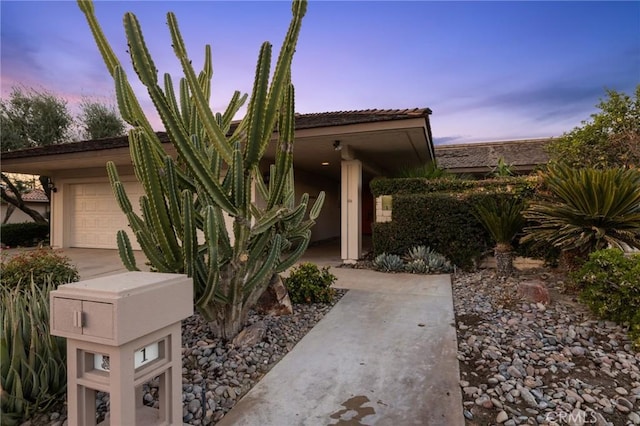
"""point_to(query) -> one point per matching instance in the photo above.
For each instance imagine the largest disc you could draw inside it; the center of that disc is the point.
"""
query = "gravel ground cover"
(216, 374)
(521, 363)
(524, 363)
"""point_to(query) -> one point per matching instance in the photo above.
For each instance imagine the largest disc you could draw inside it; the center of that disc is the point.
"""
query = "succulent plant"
(424, 260)
(216, 173)
(388, 263)
(32, 361)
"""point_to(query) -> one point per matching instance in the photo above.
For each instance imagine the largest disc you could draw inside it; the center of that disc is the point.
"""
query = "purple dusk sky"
(488, 70)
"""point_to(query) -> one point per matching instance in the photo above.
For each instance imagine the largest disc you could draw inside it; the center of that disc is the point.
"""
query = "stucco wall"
(18, 216)
(328, 223)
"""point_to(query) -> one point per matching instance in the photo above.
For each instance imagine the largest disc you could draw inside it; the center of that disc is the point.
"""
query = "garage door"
(96, 216)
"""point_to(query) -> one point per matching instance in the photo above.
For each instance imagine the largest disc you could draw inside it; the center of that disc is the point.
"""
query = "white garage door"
(96, 216)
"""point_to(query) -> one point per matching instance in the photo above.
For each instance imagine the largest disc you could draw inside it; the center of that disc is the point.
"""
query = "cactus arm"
(170, 94)
(284, 159)
(317, 206)
(265, 269)
(238, 189)
(190, 242)
(206, 117)
(267, 220)
(257, 105)
(263, 192)
(150, 250)
(126, 251)
(159, 218)
(293, 257)
(211, 238)
(295, 216)
(112, 63)
(185, 106)
(234, 105)
(282, 72)
(140, 57)
(172, 196)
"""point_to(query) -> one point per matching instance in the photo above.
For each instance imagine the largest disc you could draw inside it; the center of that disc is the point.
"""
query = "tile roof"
(340, 118)
(523, 154)
(303, 121)
(33, 196)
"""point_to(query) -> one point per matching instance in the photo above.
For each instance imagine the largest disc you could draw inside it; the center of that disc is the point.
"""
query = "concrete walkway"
(384, 355)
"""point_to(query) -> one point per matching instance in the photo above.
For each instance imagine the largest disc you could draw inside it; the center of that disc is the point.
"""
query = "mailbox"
(122, 331)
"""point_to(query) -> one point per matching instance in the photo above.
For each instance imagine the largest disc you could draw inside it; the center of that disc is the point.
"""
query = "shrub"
(610, 284)
(41, 265)
(25, 234)
(308, 284)
(439, 213)
(32, 362)
(388, 263)
(588, 210)
(440, 221)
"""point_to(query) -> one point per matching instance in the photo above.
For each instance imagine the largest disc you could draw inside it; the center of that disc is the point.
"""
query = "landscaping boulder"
(251, 335)
(275, 299)
(534, 290)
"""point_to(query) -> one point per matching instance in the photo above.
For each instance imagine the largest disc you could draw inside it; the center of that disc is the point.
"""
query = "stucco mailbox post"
(122, 331)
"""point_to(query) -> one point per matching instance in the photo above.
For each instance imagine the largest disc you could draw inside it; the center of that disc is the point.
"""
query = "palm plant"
(502, 218)
(587, 210)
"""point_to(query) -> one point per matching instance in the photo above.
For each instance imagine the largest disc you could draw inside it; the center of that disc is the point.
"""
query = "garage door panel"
(96, 217)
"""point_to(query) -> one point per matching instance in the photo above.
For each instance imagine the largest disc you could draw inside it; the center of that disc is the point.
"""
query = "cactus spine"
(181, 227)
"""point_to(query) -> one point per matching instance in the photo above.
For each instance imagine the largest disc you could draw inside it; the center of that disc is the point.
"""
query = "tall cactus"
(181, 227)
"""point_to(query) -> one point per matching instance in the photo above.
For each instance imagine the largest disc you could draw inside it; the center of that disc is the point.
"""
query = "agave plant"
(32, 362)
(388, 263)
(503, 219)
(424, 260)
(215, 173)
(587, 210)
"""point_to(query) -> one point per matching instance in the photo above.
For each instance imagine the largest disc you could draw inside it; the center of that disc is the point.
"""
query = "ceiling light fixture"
(337, 145)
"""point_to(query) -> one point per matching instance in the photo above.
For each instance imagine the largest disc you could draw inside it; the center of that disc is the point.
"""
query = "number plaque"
(141, 357)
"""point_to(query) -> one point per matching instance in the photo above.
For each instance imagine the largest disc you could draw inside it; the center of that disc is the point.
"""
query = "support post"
(351, 211)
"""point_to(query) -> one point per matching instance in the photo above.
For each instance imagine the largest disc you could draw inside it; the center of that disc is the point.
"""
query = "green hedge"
(440, 221)
(404, 186)
(438, 213)
(25, 234)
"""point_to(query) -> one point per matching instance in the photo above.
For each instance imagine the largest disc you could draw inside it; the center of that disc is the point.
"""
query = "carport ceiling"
(385, 151)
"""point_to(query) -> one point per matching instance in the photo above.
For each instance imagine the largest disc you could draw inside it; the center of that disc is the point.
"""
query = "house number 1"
(141, 357)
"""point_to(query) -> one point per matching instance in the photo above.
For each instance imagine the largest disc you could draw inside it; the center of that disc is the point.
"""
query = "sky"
(489, 71)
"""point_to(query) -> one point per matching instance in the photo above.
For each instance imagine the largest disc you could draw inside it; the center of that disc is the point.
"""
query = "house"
(335, 152)
(35, 199)
(479, 159)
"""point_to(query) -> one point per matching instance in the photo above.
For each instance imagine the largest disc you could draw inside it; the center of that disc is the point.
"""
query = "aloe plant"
(216, 172)
(587, 210)
(32, 362)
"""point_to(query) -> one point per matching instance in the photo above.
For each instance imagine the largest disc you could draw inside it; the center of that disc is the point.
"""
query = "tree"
(214, 174)
(31, 118)
(610, 139)
(99, 121)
